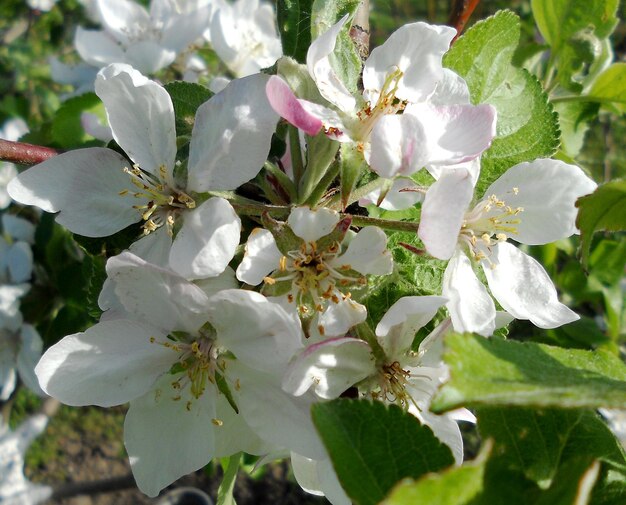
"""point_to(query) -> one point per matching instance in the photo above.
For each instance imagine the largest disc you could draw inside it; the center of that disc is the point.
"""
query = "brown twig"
(460, 14)
(94, 487)
(24, 154)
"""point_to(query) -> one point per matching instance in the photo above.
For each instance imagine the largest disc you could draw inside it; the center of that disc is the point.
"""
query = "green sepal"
(286, 239)
(224, 388)
(352, 167)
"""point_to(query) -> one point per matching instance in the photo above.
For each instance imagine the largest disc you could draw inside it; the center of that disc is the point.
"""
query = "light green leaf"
(505, 372)
(455, 486)
(574, 122)
(527, 126)
(604, 209)
(225, 491)
(559, 20)
(67, 129)
(294, 22)
(610, 86)
(373, 446)
(528, 440)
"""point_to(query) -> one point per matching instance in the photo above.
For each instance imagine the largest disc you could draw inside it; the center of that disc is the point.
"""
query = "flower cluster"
(242, 302)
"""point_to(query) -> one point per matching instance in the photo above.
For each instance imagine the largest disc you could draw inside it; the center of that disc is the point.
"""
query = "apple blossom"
(98, 194)
(315, 271)
(532, 203)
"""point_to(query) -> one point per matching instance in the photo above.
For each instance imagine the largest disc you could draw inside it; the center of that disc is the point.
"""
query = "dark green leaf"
(373, 446)
(67, 129)
(294, 25)
(186, 97)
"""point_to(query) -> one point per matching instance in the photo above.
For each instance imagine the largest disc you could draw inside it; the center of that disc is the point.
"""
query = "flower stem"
(24, 154)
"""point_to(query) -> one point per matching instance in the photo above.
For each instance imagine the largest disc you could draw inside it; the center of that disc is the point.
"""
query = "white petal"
(109, 364)
(470, 306)
(318, 64)
(28, 356)
(524, 289)
(305, 472)
(10, 315)
(141, 116)
(454, 133)
(260, 333)
(398, 146)
(183, 29)
(207, 240)
(97, 48)
(261, 257)
(84, 186)
(367, 253)
(415, 49)
(312, 224)
(451, 90)
(443, 210)
(547, 191)
(330, 367)
(123, 18)
(276, 416)
(318, 477)
(339, 317)
(231, 136)
(166, 437)
(154, 248)
(400, 196)
(19, 259)
(156, 295)
(93, 126)
(472, 166)
(148, 56)
(18, 228)
(8, 377)
(397, 329)
(447, 431)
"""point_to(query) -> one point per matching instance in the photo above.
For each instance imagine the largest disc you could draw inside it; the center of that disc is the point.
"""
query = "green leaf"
(530, 441)
(610, 86)
(294, 25)
(67, 129)
(373, 446)
(352, 167)
(574, 120)
(225, 491)
(186, 97)
(505, 372)
(559, 20)
(455, 486)
(573, 483)
(527, 126)
(604, 209)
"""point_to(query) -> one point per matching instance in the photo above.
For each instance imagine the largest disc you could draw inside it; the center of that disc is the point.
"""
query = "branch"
(461, 12)
(94, 487)
(24, 154)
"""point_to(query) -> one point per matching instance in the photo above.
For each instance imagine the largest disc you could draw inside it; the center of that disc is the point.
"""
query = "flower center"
(163, 200)
(387, 103)
(315, 282)
(492, 217)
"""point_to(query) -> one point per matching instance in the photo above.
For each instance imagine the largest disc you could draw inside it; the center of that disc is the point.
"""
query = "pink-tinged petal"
(455, 133)
(524, 289)
(397, 329)
(451, 90)
(260, 333)
(141, 116)
(547, 190)
(312, 224)
(97, 48)
(109, 364)
(86, 186)
(207, 240)
(167, 437)
(276, 416)
(155, 295)
(123, 18)
(261, 257)
(416, 50)
(367, 253)
(330, 367)
(331, 119)
(286, 105)
(148, 56)
(398, 146)
(322, 72)
(470, 306)
(443, 210)
(231, 136)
